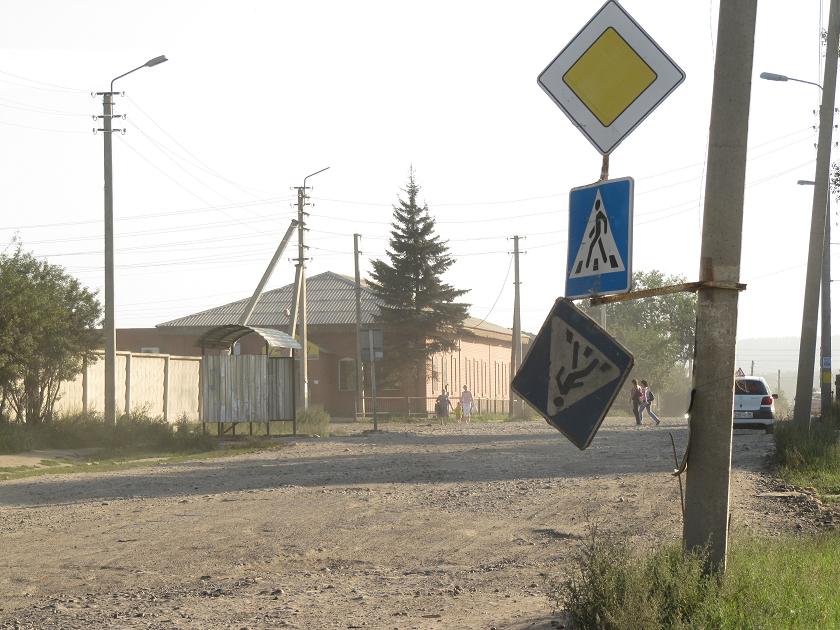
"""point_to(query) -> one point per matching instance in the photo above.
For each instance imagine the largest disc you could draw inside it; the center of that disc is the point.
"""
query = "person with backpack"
(647, 401)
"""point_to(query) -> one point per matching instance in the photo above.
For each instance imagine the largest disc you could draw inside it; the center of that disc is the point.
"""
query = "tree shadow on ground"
(465, 459)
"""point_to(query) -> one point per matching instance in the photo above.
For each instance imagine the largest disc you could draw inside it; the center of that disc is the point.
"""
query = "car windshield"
(755, 388)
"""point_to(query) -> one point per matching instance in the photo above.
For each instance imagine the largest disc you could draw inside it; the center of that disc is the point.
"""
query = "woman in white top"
(466, 403)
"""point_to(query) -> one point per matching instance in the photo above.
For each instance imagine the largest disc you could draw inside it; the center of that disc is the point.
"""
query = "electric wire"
(53, 86)
(498, 297)
(199, 163)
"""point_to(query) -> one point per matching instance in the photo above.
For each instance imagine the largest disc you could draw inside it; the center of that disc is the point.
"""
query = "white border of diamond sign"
(668, 77)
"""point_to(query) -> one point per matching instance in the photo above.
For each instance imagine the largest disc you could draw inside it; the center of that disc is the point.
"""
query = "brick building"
(482, 361)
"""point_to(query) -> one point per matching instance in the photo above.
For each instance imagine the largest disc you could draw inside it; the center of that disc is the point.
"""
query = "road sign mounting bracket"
(685, 287)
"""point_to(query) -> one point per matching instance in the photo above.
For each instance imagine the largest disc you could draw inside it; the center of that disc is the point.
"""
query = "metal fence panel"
(247, 388)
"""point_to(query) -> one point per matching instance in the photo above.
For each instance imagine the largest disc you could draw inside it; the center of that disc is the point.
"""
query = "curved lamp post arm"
(148, 64)
(772, 76)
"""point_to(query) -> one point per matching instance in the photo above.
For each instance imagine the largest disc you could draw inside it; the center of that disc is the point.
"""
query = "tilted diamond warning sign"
(572, 373)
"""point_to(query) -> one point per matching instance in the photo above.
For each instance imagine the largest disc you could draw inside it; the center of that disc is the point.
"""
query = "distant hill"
(774, 354)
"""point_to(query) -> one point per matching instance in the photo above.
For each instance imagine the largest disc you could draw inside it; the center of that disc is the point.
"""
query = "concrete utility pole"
(808, 338)
(825, 321)
(301, 287)
(752, 368)
(710, 445)
(301, 291)
(373, 377)
(516, 408)
(252, 303)
(109, 331)
(109, 325)
(360, 380)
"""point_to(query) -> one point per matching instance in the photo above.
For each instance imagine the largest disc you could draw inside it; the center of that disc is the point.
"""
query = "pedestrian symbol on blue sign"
(572, 373)
(600, 238)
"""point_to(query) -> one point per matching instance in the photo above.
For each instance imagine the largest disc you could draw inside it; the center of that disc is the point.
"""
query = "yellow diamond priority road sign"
(610, 77)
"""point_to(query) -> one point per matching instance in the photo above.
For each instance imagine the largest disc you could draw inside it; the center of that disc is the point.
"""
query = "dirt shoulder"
(420, 526)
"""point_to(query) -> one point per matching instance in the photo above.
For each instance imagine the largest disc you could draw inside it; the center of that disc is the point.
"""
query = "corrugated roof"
(331, 298)
(225, 336)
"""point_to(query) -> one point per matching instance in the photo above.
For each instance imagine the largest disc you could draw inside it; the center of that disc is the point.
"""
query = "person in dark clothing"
(442, 406)
(636, 401)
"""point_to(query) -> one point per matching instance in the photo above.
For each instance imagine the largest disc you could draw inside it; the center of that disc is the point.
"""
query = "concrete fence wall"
(162, 384)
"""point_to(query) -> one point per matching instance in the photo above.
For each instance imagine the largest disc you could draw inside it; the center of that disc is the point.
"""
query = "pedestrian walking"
(636, 401)
(466, 404)
(647, 401)
(442, 406)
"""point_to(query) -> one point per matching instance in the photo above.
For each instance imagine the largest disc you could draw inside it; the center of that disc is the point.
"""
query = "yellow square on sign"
(609, 76)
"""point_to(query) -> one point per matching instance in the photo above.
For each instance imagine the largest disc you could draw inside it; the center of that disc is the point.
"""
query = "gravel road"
(420, 526)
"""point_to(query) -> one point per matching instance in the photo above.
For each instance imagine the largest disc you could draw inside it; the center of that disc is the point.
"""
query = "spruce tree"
(419, 312)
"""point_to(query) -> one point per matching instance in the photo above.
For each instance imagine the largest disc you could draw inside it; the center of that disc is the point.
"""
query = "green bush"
(134, 431)
(769, 583)
(13, 439)
(614, 589)
(800, 446)
(313, 421)
(809, 456)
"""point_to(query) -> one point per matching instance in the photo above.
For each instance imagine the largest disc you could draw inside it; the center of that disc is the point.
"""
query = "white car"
(755, 406)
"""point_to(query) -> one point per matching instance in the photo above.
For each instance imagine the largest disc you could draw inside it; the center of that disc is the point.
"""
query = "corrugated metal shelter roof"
(226, 336)
(331, 298)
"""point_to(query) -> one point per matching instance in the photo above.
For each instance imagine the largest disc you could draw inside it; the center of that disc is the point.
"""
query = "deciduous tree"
(659, 331)
(47, 329)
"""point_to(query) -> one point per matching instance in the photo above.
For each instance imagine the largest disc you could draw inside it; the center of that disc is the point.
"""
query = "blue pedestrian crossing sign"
(573, 373)
(600, 238)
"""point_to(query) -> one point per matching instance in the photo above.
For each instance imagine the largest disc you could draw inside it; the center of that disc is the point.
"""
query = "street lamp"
(772, 76)
(301, 288)
(813, 286)
(109, 325)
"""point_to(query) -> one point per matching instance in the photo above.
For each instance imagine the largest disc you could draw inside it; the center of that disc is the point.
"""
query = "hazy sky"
(258, 94)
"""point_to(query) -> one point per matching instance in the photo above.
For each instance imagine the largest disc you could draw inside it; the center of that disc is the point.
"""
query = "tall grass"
(780, 583)
(611, 588)
(313, 421)
(133, 431)
(809, 456)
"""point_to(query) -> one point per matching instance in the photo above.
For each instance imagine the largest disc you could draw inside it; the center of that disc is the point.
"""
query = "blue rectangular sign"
(600, 239)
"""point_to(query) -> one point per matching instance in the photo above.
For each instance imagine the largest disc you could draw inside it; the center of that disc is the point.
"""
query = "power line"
(182, 186)
(199, 163)
(498, 297)
(150, 215)
(18, 105)
(45, 129)
(44, 86)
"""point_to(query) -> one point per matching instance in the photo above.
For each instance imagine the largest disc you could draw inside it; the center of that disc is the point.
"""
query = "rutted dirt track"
(421, 526)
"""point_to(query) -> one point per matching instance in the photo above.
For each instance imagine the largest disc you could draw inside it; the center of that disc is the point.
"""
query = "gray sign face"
(573, 373)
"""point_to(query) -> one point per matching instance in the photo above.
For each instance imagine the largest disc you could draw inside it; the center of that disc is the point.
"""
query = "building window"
(347, 375)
